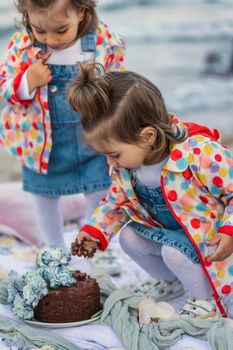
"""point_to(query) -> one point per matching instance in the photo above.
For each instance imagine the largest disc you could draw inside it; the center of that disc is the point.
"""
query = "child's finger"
(218, 255)
(46, 56)
(81, 236)
(213, 241)
(213, 257)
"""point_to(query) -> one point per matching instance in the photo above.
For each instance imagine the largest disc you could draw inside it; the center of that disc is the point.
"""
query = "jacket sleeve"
(12, 69)
(216, 173)
(116, 57)
(109, 217)
(114, 46)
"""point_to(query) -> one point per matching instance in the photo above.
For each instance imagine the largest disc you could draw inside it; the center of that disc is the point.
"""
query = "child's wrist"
(31, 87)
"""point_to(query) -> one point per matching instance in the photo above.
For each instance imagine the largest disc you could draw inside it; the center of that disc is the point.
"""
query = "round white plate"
(60, 325)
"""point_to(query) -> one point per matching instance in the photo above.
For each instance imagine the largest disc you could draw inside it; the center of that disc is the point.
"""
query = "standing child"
(172, 186)
(38, 126)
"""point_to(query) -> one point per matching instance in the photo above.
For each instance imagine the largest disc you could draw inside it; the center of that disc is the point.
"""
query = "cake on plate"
(76, 302)
(53, 293)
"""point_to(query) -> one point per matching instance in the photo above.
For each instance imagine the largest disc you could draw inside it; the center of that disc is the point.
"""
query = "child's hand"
(224, 245)
(84, 245)
(84, 235)
(38, 73)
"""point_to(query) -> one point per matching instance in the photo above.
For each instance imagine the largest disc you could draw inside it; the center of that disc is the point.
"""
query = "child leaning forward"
(172, 186)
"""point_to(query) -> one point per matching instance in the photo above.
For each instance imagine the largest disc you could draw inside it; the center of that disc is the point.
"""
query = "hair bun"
(89, 93)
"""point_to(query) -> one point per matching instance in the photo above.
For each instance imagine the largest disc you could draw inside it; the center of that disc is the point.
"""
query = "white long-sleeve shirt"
(150, 175)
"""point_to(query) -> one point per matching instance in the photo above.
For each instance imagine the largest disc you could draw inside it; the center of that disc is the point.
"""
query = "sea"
(184, 46)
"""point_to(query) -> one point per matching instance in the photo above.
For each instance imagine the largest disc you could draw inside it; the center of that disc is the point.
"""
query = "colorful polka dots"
(221, 273)
(197, 150)
(181, 164)
(218, 157)
(230, 270)
(208, 263)
(197, 239)
(204, 199)
(226, 289)
(195, 223)
(229, 209)
(176, 154)
(19, 151)
(187, 174)
(223, 172)
(217, 181)
(172, 196)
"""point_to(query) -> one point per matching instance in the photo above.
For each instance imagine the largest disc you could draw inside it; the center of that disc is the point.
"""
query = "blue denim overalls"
(172, 234)
(73, 166)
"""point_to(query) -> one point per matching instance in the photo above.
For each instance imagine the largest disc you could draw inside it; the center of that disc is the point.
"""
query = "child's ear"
(148, 135)
(82, 13)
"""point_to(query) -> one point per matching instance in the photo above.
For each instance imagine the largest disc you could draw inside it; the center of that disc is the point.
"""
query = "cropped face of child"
(55, 26)
(124, 155)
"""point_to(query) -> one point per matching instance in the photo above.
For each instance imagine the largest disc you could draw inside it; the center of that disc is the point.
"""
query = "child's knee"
(173, 257)
(127, 240)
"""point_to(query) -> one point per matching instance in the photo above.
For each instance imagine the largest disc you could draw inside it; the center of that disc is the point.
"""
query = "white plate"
(60, 325)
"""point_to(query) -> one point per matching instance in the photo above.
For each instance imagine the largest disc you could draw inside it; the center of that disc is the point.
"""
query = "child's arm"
(107, 219)
(114, 46)
(220, 184)
(13, 68)
(116, 58)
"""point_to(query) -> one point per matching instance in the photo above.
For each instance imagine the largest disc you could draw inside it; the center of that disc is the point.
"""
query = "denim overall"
(73, 166)
(171, 234)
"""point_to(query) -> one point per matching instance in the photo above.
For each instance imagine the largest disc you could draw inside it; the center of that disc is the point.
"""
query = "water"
(169, 42)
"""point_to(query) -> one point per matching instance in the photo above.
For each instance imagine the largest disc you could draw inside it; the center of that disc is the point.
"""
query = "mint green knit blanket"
(121, 313)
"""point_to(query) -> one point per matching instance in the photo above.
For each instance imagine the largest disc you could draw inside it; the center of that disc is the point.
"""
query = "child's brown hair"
(119, 105)
(89, 22)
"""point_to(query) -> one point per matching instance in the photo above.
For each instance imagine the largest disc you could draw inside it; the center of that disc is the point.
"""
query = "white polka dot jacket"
(197, 184)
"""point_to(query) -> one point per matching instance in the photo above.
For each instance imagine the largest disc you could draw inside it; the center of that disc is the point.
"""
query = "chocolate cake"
(51, 292)
(76, 302)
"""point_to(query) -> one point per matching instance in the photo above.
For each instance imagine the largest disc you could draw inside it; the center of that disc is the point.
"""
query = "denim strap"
(88, 42)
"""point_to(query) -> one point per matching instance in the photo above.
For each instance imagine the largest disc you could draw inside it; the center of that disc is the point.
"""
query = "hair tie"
(177, 132)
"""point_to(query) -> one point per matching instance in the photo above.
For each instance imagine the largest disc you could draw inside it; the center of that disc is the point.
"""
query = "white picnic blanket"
(18, 256)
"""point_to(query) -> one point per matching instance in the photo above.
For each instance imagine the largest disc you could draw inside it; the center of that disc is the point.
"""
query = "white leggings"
(166, 263)
(50, 220)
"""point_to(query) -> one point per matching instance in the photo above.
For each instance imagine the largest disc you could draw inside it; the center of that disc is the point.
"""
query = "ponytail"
(89, 94)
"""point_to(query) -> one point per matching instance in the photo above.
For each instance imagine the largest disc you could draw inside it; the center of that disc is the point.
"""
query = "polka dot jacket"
(197, 183)
(25, 127)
